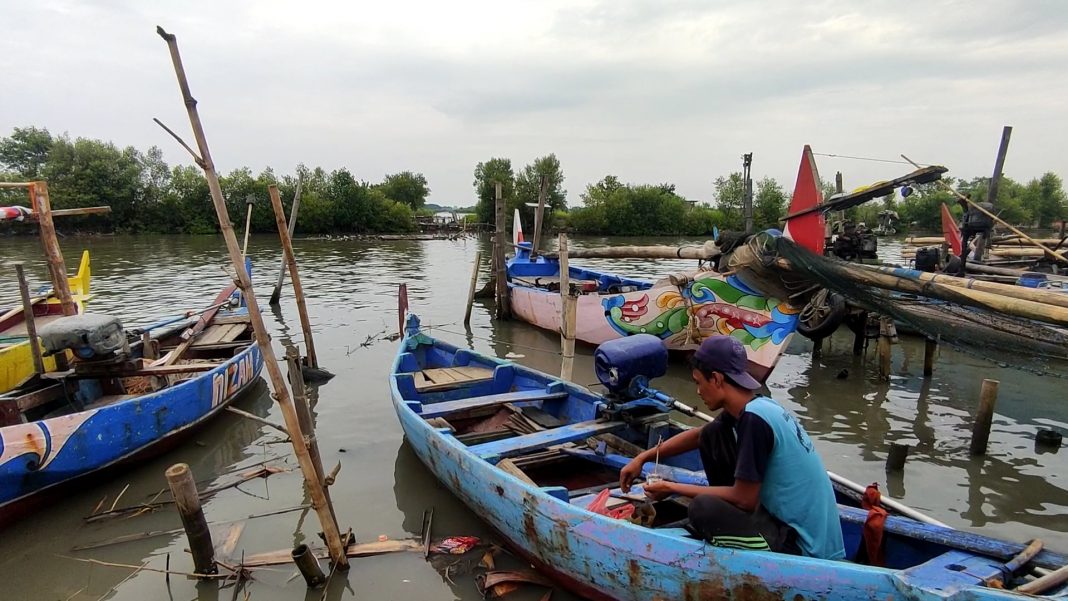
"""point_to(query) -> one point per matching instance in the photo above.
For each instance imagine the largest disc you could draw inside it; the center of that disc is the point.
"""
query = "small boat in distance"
(530, 453)
(16, 357)
(128, 395)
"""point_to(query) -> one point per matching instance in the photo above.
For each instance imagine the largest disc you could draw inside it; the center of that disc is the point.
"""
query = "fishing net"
(954, 318)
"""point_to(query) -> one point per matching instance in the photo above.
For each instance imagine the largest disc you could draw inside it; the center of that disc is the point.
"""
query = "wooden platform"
(443, 378)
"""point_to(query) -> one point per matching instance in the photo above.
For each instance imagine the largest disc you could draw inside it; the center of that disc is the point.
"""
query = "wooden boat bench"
(518, 445)
(461, 380)
(475, 406)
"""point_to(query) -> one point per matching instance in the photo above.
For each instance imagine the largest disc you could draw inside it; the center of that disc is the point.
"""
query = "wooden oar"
(191, 334)
(1047, 250)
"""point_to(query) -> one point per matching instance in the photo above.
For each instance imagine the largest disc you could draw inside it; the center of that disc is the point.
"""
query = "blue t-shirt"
(794, 484)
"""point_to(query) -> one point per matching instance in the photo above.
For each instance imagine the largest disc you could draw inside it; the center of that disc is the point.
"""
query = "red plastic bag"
(600, 505)
(455, 545)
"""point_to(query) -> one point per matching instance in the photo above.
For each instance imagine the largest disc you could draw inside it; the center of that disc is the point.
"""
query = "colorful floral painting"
(719, 306)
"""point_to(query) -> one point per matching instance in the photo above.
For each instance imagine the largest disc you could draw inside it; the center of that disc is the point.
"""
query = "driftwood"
(284, 556)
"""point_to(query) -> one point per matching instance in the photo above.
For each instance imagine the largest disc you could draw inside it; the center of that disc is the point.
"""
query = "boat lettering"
(225, 384)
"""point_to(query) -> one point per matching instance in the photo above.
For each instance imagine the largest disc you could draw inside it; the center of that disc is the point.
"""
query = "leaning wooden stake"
(43, 207)
(886, 341)
(984, 417)
(316, 491)
(294, 275)
(539, 216)
(471, 290)
(184, 490)
(277, 294)
(27, 314)
(568, 311)
(248, 224)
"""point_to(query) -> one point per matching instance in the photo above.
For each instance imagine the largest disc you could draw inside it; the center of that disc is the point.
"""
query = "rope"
(874, 160)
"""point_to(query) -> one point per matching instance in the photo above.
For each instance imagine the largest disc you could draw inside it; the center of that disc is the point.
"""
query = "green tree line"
(147, 195)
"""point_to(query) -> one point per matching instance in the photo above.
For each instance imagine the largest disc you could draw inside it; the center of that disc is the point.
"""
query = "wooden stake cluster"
(316, 490)
(568, 311)
(294, 274)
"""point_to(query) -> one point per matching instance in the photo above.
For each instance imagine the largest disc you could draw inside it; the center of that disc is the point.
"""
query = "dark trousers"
(720, 522)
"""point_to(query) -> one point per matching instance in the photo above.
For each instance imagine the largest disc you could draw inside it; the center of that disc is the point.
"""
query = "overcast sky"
(649, 91)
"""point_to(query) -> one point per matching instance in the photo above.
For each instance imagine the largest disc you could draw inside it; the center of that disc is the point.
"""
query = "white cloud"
(649, 91)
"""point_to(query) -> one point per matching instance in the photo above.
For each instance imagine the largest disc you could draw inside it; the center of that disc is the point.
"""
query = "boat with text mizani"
(16, 356)
(530, 453)
(126, 395)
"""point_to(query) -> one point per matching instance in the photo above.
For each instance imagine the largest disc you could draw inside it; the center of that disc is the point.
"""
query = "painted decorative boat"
(528, 453)
(113, 408)
(16, 360)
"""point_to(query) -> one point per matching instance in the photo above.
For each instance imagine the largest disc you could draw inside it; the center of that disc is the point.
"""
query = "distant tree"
(730, 200)
(769, 204)
(528, 185)
(486, 174)
(405, 187)
(26, 151)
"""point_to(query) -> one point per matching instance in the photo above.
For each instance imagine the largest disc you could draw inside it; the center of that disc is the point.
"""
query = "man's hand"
(658, 490)
(629, 472)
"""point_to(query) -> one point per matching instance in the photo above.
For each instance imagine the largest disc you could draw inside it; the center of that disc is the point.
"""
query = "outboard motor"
(90, 336)
(625, 366)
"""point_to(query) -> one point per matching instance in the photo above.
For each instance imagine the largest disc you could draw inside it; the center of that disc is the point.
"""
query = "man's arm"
(676, 445)
(744, 494)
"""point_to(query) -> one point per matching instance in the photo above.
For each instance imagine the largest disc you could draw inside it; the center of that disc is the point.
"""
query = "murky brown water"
(1014, 492)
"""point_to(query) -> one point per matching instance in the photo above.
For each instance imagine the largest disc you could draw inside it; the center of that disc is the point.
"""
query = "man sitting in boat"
(768, 489)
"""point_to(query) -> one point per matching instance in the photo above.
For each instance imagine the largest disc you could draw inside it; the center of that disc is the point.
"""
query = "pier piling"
(895, 459)
(187, 500)
(988, 397)
(308, 566)
(930, 347)
(471, 290)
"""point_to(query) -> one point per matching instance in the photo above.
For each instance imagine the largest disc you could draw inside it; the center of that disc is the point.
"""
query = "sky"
(649, 91)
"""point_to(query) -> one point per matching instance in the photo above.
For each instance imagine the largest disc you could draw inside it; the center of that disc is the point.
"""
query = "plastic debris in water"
(456, 545)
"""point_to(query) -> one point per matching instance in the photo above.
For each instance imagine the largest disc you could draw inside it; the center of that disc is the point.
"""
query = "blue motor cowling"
(618, 362)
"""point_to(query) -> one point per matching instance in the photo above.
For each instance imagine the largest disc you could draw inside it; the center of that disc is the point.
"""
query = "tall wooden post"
(294, 274)
(27, 314)
(316, 491)
(499, 244)
(992, 190)
(747, 181)
(568, 310)
(984, 417)
(539, 217)
(43, 207)
(886, 334)
(187, 500)
(277, 294)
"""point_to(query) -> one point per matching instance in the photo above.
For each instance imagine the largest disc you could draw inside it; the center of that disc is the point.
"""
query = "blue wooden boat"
(528, 453)
(127, 396)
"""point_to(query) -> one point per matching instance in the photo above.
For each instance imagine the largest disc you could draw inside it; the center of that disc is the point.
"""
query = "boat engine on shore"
(91, 337)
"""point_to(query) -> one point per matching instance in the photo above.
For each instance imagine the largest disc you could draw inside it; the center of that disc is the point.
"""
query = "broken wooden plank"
(473, 406)
(510, 447)
(285, 556)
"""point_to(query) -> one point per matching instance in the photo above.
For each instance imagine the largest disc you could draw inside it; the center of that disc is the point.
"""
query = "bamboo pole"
(568, 310)
(27, 315)
(294, 275)
(539, 216)
(471, 290)
(985, 300)
(187, 500)
(705, 252)
(1035, 295)
(984, 417)
(277, 294)
(316, 492)
(43, 208)
(1013, 229)
(308, 565)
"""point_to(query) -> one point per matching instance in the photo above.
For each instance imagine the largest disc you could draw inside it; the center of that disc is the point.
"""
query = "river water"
(1016, 491)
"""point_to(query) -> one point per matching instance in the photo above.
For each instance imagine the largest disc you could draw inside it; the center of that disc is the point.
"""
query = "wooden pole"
(539, 216)
(704, 252)
(43, 208)
(27, 315)
(316, 491)
(499, 244)
(1011, 290)
(304, 417)
(294, 274)
(930, 347)
(1048, 251)
(992, 191)
(895, 459)
(187, 500)
(885, 351)
(277, 294)
(568, 311)
(248, 224)
(984, 417)
(308, 565)
(747, 181)
(471, 290)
